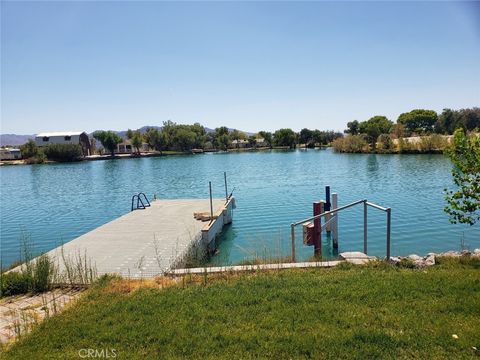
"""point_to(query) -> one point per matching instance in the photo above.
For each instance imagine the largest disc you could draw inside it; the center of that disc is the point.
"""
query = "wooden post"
(327, 207)
(335, 221)
(317, 224)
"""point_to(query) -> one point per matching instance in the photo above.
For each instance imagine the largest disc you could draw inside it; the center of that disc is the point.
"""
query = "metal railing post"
(293, 241)
(365, 227)
(226, 191)
(335, 221)
(211, 201)
(389, 223)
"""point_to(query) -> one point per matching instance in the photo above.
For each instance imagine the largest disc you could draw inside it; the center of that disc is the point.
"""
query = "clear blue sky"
(252, 66)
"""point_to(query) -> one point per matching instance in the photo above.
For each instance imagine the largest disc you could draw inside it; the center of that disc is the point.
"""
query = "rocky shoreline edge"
(430, 258)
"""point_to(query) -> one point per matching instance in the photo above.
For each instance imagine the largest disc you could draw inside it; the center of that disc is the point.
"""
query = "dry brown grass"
(126, 286)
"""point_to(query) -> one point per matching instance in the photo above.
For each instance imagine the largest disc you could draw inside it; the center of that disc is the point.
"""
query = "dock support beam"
(335, 221)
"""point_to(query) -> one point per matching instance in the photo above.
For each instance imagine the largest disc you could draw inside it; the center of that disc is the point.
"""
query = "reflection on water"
(55, 203)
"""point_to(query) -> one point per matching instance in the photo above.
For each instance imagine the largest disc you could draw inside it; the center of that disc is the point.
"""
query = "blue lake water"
(55, 203)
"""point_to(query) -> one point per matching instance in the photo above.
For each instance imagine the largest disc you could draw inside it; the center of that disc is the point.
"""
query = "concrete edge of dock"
(237, 268)
(206, 242)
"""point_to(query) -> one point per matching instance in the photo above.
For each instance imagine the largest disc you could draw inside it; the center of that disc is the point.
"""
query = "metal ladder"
(140, 204)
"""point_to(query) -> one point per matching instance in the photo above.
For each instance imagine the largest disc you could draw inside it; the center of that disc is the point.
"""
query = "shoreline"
(180, 153)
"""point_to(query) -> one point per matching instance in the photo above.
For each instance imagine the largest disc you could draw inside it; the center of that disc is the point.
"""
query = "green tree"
(237, 135)
(418, 120)
(306, 137)
(137, 140)
(353, 127)
(200, 135)
(29, 149)
(184, 139)
(221, 138)
(109, 140)
(374, 127)
(284, 137)
(463, 203)
(155, 139)
(130, 134)
(32, 153)
(252, 141)
(266, 136)
(222, 142)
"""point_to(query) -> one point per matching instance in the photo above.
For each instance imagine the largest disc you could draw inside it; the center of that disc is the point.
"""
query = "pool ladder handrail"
(140, 204)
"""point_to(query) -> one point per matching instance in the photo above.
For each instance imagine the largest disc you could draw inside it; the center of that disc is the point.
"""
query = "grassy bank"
(377, 311)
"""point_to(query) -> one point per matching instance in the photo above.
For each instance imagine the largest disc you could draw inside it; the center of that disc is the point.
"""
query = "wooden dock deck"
(148, 242)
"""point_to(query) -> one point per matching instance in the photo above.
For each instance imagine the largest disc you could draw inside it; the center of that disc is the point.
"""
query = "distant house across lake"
(10, 154)
(68, 137)
(126, 147)
(239, 143)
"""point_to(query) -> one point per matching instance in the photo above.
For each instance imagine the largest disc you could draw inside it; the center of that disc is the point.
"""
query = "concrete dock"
(150, 241)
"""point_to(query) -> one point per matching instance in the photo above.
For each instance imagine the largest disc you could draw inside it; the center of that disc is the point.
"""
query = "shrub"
(63, 152)
(43, 271)
(351, 144)
(14, 283)
(432, 143)
(36, 276)
(32, 153)
(405, 146)
(385, 143)
(29, 149)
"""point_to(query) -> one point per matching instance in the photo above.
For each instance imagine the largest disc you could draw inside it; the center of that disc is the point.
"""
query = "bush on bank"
(63, 152)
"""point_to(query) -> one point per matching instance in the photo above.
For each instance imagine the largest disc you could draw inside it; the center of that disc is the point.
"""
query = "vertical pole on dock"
(317, 226)
(293, 241)
(335, 221)
(365, 227)
(389, 223)
(211, 201)
(327, 207)
(226, 190)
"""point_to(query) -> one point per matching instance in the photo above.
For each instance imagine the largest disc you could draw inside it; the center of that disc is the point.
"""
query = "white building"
(10, 154)
(126, 147)
(260, 142)
(238, 143)
(68, 137)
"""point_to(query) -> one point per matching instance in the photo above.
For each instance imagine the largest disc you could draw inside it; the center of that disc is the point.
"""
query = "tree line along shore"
(417, 131)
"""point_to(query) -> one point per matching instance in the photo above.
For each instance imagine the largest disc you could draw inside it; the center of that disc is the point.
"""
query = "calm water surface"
(56, 203)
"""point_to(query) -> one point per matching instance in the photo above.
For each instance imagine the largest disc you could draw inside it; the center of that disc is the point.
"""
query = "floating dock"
(151, 241)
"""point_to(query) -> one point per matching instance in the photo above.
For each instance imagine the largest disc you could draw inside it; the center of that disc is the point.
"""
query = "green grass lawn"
(362, 312)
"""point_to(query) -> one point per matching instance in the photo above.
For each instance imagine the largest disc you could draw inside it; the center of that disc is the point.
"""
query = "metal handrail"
(146, 199)
(365, 225)
(139, 201)
(328, 212)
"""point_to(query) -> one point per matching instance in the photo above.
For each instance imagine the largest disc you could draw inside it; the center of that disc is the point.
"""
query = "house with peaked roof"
(67, 137)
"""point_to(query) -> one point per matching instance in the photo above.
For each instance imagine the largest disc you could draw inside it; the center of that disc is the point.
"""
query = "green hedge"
(63, 152)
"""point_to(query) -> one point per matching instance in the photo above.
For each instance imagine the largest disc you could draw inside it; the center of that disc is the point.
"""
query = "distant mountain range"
(16, 140)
